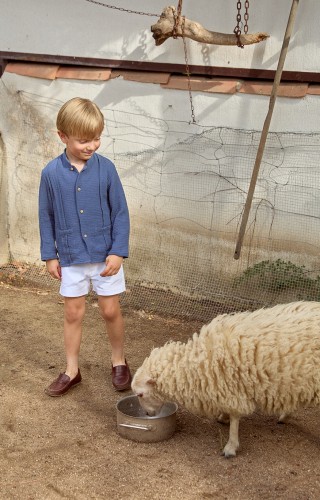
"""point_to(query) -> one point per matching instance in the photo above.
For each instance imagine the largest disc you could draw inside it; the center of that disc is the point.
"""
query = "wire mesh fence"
(186, 187)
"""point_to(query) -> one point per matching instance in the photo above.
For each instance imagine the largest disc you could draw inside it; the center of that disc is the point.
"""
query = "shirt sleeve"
(46, 221)
(119, 216)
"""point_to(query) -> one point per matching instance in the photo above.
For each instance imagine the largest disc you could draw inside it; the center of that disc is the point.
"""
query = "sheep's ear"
(151, 381)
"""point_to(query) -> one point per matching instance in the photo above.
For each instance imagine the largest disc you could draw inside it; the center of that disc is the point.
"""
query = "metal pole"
(266, 126)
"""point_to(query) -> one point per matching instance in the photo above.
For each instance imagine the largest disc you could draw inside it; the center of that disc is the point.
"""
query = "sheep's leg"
(223, 418)
(232, 445)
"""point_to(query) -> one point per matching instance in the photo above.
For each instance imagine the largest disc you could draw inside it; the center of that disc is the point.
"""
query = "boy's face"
(79, 150)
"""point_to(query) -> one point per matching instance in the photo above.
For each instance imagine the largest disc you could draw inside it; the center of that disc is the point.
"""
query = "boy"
(84, 232)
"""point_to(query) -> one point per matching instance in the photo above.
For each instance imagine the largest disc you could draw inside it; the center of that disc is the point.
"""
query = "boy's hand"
(113, 264)
(53, 268)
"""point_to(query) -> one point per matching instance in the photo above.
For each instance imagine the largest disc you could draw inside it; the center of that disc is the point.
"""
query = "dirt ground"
(69, 447)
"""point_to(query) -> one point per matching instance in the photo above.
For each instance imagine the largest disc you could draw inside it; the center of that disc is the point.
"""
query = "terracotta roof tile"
(37, 70)
(265, 88)
(202, 84)
(314, 89)
(142, 76)
(224, 86)
(83, 73)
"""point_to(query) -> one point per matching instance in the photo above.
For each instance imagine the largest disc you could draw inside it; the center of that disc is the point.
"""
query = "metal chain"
(237, 29)
(188, 71)
(122, 9)
(246, 16)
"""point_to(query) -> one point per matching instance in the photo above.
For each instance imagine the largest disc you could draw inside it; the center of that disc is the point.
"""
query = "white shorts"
(76, 280)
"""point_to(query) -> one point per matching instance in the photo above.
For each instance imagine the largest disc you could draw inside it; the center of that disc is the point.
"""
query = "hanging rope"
(176, 17)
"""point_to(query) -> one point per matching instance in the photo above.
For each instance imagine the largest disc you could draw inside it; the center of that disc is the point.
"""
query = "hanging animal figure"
(267, 361)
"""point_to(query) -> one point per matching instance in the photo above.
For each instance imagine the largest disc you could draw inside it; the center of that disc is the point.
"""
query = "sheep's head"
(144, 386)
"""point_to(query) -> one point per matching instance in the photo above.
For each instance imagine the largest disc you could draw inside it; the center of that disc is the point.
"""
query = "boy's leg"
(111, 312)
(74, 287)
(74, 309)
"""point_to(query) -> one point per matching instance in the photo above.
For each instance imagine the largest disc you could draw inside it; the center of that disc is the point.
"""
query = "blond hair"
(80, 118)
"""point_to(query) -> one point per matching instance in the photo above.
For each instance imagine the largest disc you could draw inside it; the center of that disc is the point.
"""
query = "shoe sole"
(122, 388)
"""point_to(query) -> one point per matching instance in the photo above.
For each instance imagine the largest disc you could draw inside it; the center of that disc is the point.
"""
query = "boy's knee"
(109, 314)
(109, 308)
(110, 311)
(74, 313)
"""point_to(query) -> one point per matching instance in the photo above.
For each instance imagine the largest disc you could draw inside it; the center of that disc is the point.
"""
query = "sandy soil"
(69, 447)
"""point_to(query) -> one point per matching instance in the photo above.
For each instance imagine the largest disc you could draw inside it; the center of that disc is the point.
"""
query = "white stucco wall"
(82, 29)
(186, 183)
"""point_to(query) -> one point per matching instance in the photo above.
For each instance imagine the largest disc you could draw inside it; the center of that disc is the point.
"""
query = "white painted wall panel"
(81, 29)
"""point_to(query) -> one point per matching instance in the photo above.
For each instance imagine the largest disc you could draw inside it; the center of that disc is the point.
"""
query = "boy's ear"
(62, 136)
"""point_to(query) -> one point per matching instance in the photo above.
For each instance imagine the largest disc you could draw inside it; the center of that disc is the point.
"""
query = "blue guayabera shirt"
(83, 216)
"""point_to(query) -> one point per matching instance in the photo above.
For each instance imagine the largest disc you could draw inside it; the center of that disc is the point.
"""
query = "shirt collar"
(66, 163)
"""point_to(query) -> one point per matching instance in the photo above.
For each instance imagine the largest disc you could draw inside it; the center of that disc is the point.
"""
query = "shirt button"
(71, 168)
(85, 235)
(78, 189)
(81, 211)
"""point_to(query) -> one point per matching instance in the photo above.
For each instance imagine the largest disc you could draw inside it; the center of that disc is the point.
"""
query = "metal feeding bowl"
(133, 422)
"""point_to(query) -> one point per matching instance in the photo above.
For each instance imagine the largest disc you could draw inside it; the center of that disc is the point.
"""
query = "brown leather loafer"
(121, 377)
(62, 384)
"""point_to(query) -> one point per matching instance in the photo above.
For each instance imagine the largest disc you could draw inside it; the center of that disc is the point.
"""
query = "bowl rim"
(172, 404)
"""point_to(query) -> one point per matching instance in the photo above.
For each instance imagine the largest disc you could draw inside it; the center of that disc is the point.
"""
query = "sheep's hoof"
(228, 452)
(283, 418)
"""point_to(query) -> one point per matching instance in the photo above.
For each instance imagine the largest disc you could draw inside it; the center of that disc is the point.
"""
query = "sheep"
(266, 360)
